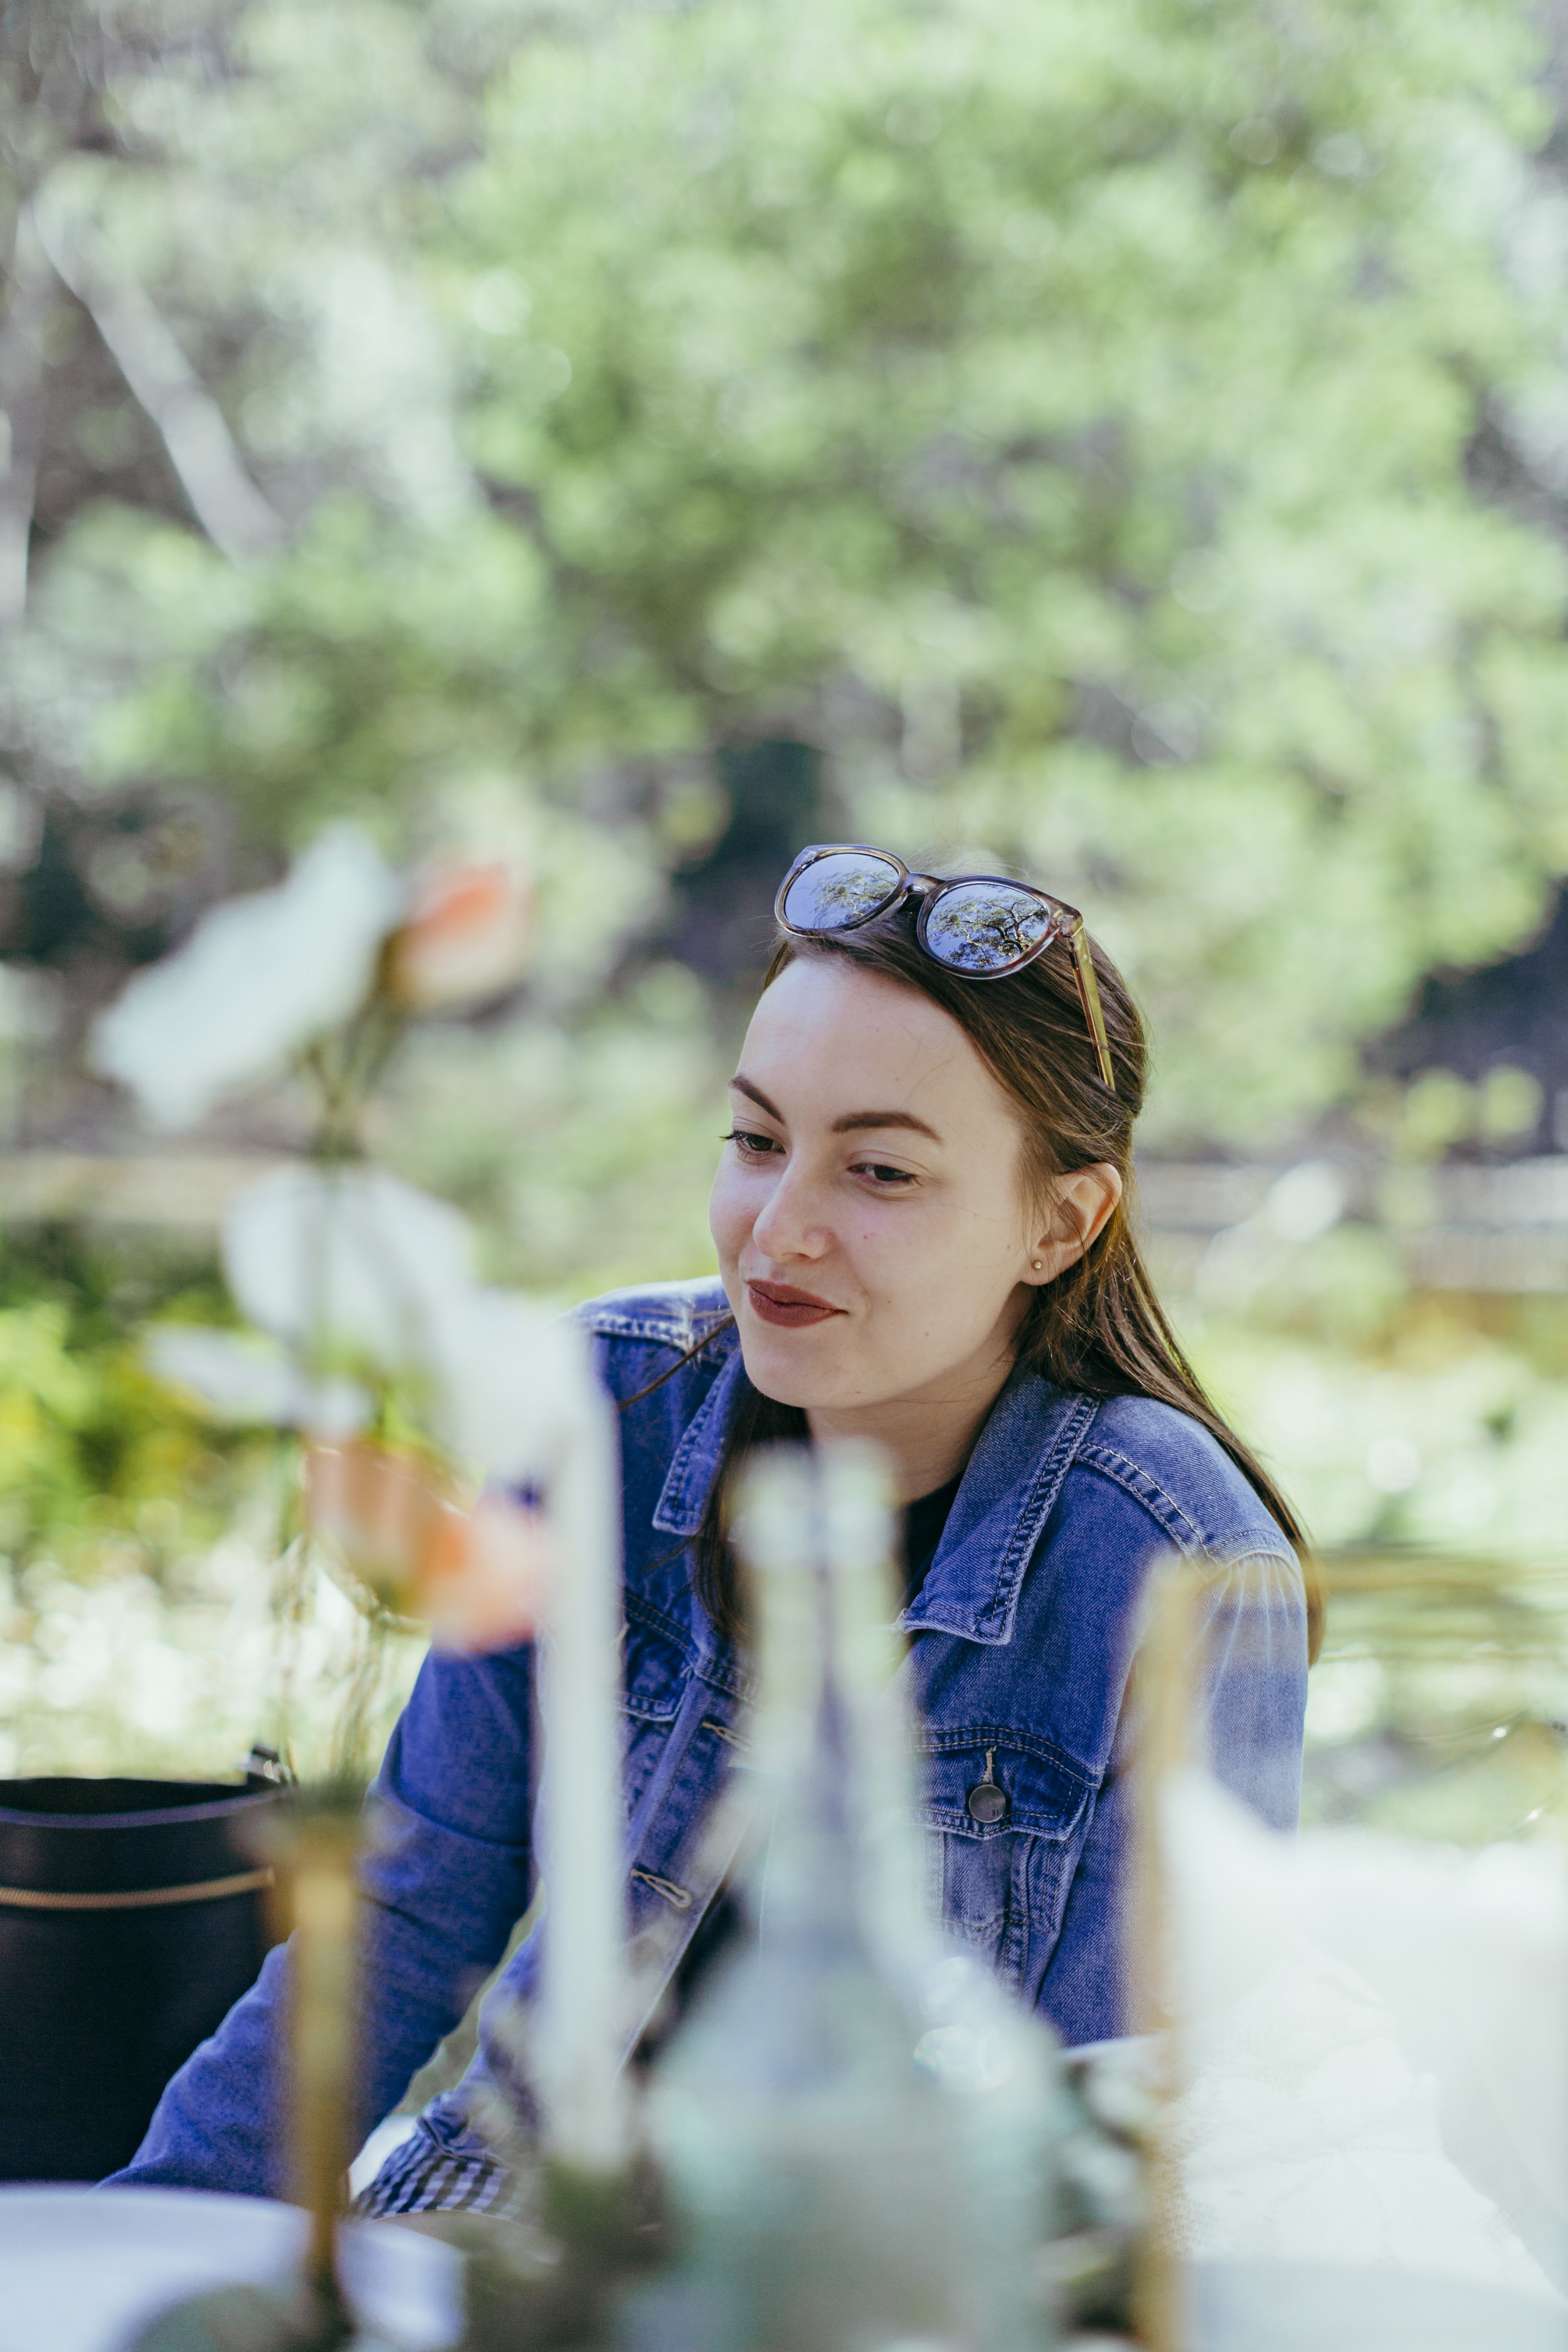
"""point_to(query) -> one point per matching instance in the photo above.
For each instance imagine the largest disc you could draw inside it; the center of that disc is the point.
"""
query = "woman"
(921, 1218)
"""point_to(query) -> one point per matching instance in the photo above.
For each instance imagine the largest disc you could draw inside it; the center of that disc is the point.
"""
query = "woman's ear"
(1080, 1205)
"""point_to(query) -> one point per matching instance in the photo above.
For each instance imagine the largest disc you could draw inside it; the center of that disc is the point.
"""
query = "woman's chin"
(777, 1368)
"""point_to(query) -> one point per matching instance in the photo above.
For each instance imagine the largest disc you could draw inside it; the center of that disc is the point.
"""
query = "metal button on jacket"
(986, 1803)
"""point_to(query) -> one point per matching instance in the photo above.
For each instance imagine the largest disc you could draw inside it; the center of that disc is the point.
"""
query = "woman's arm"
(446, 1880)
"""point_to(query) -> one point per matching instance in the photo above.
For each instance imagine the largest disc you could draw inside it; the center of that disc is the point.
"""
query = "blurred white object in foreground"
(1374, 2049)
(583, 1995)
(260, 977)
(350, 1267)
(239, 1378)
(84, 2270)
(346, 1258)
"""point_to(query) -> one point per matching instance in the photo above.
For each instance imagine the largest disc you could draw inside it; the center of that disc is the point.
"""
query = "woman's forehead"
(828, 1041)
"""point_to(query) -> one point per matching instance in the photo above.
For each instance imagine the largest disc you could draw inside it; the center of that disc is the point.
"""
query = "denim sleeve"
(446, 1880)
(1254, 1705)
(1254, 1642)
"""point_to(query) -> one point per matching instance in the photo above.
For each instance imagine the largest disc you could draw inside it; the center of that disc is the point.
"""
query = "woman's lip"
(777, 1303)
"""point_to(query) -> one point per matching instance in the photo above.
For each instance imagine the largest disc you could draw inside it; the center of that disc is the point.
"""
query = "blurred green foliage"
(154, 1614)
(1075, 423)
(1128, 438)
(93, 1455)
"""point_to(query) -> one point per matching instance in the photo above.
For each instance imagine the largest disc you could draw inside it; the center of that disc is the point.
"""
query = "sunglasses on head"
(982, 926)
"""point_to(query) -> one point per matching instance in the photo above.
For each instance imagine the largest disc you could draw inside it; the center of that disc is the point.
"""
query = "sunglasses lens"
(983, 927)
(833, 892)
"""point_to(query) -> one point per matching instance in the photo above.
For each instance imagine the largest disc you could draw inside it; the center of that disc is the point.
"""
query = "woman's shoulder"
(646, 1329)
(1181, 1475)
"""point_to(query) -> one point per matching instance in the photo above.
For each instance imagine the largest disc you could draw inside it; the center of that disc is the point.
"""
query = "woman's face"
(872, 1229)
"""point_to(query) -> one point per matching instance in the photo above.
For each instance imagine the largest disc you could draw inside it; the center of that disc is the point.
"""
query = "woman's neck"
(928, 1435)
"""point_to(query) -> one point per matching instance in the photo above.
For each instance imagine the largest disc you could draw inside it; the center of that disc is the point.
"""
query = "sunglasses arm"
(1088, 996)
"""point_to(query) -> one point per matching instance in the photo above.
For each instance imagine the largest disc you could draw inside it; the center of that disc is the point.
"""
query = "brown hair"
(1098, 1330)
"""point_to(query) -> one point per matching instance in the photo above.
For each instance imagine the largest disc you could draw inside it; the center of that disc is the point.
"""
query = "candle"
(582, 2002)
(318, 1843)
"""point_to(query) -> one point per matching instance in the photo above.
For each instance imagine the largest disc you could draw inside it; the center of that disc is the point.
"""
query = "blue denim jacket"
(1020, 1643)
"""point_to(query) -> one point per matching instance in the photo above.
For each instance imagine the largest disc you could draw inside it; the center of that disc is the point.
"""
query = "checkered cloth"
(439, 2169)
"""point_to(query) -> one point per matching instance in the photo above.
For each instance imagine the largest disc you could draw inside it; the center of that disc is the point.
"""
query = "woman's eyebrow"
(740, 1085)
(852, 1121)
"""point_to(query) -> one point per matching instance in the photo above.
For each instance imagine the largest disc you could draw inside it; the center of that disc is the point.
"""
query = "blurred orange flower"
(468, 935)
(477, 1577)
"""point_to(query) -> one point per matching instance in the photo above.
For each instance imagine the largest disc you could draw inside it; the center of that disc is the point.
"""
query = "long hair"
(1098, 1330)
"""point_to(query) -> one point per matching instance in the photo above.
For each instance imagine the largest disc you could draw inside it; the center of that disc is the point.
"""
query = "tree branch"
(28, 295)
(230, 509)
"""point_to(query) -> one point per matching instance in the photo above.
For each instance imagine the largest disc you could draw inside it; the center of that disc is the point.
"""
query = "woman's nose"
(790, 1227)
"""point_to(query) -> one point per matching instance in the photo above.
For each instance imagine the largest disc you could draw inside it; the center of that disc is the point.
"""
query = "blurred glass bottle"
(854, 2121)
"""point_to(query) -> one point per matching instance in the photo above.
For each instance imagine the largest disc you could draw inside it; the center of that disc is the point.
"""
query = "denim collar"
(1025, 1451)
(689, 1479)
(1008, 1491)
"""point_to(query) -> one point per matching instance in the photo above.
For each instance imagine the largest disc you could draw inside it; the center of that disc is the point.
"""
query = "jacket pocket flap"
(657, 1671)
(1042, 1793)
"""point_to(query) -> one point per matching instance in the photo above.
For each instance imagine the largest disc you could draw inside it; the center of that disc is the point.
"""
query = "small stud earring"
(1037, 1262)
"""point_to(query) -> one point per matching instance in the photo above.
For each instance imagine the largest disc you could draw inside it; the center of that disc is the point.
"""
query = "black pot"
(132, 1916)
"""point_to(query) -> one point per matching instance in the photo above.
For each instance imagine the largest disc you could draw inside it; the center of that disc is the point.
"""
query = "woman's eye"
(889, 1179)
(745, 1142)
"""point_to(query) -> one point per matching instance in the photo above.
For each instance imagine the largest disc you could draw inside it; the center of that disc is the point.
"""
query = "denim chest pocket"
(1005, 1819)
(656, 1672)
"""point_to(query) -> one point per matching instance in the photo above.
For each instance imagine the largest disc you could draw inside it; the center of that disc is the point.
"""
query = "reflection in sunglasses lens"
(986, 926)
(837, 891)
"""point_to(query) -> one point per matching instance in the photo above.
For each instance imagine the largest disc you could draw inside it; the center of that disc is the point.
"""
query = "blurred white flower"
(239, 1378)
(349, 1266)
(506, 1381)
(348, 1262)
(260, 977)
(467, 934)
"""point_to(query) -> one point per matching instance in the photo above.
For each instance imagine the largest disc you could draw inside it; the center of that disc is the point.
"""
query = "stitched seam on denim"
(667, 1329)
(1047, 1487)
(1056, 1876)
(1025, 1535)
(673, 1502)
(644, 1609)
(1024, 1540)
(975, 1928)
(950, 1741)
(671, 1508)
(1234, 1552)
(645, 1711)
(653, 1809)
(641, 1762)
(1015, 1940)
(658, 1330)
(650, 1334)
(1225, 1549)
(1144, 1490)
(719, 1674)
(958, 1823)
